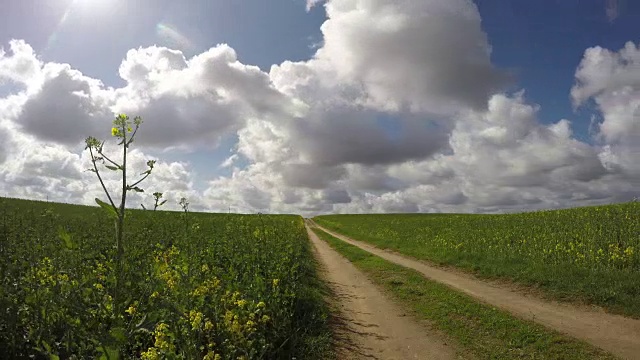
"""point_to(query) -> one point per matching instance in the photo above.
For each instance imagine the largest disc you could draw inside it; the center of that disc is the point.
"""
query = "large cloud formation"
(422, 55)
(612, 80)
(399, 110)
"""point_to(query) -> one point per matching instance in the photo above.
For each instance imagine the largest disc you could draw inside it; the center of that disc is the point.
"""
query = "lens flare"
(170, 34)
(63, 20)
(79, 8)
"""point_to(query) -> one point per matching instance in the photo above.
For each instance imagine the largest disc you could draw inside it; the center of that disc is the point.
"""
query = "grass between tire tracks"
(486, 332)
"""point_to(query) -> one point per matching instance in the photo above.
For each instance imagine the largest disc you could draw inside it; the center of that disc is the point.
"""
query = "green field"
(195, 285)
(589, 254)
(482, 331)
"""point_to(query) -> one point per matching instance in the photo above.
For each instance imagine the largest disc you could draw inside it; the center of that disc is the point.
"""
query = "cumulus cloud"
(312, 3)
(45, 171)
(21, 66)
(399, 110)
(187, 102)
(499, 159)
(401, 130)
(612, 80)
(333, 136)
(66, 107)
(197, 100)
(423, 55)
(506, 145)
(39, 171)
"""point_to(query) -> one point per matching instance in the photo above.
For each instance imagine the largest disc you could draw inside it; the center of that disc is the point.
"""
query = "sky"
(336, 106)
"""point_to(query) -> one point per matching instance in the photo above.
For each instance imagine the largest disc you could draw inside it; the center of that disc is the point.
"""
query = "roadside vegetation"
(109, 282)
(589, 255)
(213, 286)
(483, 332)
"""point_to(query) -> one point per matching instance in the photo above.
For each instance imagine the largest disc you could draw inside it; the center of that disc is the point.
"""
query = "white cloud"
(40, 170)
(612, 80)
(65, 107)
(312, 3)
(21, 66)
(422, 55)
(195, 101)
(498, 159)
(490, 153)
(398, 111)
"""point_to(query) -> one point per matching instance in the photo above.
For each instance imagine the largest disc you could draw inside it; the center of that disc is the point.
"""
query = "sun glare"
(91, 4)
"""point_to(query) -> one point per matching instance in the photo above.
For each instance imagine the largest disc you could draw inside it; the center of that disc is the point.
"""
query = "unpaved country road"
(372, 327)
(617, 334)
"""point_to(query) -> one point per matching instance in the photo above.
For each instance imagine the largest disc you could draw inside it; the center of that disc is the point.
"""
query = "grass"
(485, 332)
(588, 255)
(197, 285)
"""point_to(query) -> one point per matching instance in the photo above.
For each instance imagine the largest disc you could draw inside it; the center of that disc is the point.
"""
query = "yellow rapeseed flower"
(212, 356)
(151, 354)
(163, 341)
(628, 251)
(114, 131)
(195, 317)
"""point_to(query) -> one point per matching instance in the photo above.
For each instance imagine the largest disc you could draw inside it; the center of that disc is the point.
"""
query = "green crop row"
(195, 285)
(590, 254)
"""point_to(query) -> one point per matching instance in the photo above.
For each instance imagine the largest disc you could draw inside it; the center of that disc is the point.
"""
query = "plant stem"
(120, 227)
(95, 167)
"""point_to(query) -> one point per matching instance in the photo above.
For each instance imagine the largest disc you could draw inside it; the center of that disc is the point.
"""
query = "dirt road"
(616, 334)
(369, 325)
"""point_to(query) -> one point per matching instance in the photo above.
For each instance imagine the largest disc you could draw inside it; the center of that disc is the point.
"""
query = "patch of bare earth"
(367, 325)
(614, 333)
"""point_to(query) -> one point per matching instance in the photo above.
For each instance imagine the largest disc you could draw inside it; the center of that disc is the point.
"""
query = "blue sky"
(541, 43)
(263, 33)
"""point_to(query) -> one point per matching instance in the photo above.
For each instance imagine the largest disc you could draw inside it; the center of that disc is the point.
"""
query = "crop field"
(480, 330)
(193, 285)
(589, 254)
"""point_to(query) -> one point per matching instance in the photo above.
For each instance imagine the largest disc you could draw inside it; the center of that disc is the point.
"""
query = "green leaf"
(114, 168)
(46, 346)
(136, 189)
(66, 238)
(162, 203)
(108, 353)
(108, 208)
(119, 334)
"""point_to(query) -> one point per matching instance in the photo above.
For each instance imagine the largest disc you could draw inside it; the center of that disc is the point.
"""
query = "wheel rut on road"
(368, 325)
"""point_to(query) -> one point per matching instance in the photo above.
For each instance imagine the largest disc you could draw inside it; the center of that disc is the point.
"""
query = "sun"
(89, 1)
(90, 4)
(92, 8)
